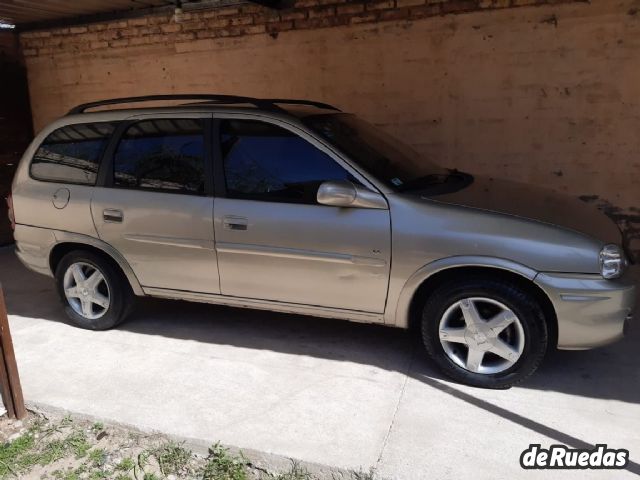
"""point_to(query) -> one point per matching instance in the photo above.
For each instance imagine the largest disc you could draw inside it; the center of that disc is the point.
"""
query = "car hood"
(535, 203)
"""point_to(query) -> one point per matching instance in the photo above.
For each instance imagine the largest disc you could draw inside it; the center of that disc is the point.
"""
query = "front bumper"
(591, 310)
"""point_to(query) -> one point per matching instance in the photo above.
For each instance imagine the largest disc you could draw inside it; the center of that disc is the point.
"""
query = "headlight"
(612, 261)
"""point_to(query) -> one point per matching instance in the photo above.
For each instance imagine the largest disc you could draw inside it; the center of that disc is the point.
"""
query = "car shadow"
(609, 372)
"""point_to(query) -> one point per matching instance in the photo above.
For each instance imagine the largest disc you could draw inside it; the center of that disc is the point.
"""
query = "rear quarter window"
(72, 154)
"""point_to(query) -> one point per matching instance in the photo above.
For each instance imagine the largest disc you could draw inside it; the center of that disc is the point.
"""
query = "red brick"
(182, 37)
(171, 28)
(409, 3)
(218, 22)
(139, 41)
(98, 45)
(265, 17)
(206, 34)
(425, 11)
(117, 24)
(381, 5)
(275, 27)
(365, 18)
(97, 27)
(322, 12)
(395, 14)
(245, 20)
(306, 3)
(350, 8)
(138, 22)
(321, 22)
(293, 15)
(252, 9)
(228, 11)
(456, 6)
(119, 43)
(195, 25)
(255, 29)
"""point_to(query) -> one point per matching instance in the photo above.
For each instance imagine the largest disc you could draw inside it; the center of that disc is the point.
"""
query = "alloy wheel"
(481, 335)
(86, 290)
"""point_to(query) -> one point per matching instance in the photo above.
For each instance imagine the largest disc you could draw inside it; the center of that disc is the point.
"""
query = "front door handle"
(112, 216)
(231, 222)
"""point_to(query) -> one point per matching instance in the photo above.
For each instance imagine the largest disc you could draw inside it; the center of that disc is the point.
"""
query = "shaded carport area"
(546, 93)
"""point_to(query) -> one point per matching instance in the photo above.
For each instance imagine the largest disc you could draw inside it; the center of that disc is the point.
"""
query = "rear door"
(156, 205)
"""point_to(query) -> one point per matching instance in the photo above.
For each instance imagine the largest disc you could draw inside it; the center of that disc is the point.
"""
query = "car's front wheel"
(94, 292)
(484, 332)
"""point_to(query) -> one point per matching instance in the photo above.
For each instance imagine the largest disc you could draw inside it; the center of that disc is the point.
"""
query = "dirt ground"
(73, 449)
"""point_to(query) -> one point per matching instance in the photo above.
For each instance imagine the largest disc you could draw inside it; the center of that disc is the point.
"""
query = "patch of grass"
(172, 458)
(126, 465)
(97, 457)
(78, 443)
(221, 465)
(52, 452)
(66, 421)
(71, 473)
(99, 474)
(14, 456)
(97, 427)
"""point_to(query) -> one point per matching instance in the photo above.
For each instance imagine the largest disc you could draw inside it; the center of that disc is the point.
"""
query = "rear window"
(72, 154)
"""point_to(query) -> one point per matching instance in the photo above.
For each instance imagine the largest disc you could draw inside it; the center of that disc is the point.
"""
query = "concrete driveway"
(322, 391)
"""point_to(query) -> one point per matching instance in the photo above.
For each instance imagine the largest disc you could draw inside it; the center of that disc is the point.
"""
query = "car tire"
(484, 332)
(94, 302)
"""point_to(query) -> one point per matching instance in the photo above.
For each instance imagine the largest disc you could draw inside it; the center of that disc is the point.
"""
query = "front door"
(157, 207)
(275, 242)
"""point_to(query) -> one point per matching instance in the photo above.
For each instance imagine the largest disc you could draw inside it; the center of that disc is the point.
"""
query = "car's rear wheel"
(95, 294)
(484, 332)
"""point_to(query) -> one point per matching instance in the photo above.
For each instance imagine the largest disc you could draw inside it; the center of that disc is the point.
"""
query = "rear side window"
(162, 155)
(266, 162)
(72, 154)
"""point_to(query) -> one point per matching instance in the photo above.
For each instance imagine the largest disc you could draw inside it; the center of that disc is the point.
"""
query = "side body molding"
(422, 274)
(68, 237)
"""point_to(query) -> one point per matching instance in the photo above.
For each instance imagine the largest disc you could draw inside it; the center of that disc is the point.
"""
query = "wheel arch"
(65, 246)
(428, 278)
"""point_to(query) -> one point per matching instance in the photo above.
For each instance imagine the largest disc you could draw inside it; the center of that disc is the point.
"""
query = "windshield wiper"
(436, 179)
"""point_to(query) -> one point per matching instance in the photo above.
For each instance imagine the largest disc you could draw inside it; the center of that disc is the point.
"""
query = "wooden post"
(9, 379)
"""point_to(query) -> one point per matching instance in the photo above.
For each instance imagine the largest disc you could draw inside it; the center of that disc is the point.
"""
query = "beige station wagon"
(294, 206)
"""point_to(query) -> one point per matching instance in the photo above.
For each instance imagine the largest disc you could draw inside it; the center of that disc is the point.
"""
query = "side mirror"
(341, 193)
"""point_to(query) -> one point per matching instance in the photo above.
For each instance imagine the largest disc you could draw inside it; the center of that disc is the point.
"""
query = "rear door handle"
(231, 222)
(112, 216)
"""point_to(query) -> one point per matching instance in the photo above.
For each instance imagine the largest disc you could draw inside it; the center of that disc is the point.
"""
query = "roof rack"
(266, 104)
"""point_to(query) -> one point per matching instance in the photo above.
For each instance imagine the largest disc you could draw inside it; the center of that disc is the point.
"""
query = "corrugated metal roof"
(20, 12)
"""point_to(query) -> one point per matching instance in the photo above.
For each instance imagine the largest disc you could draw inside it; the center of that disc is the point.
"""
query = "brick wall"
(250, 19)
(547, 93)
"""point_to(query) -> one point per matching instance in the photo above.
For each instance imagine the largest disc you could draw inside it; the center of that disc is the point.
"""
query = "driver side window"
(266, 162)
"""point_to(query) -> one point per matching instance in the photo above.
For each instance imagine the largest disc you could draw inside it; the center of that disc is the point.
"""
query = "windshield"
(387, 159)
